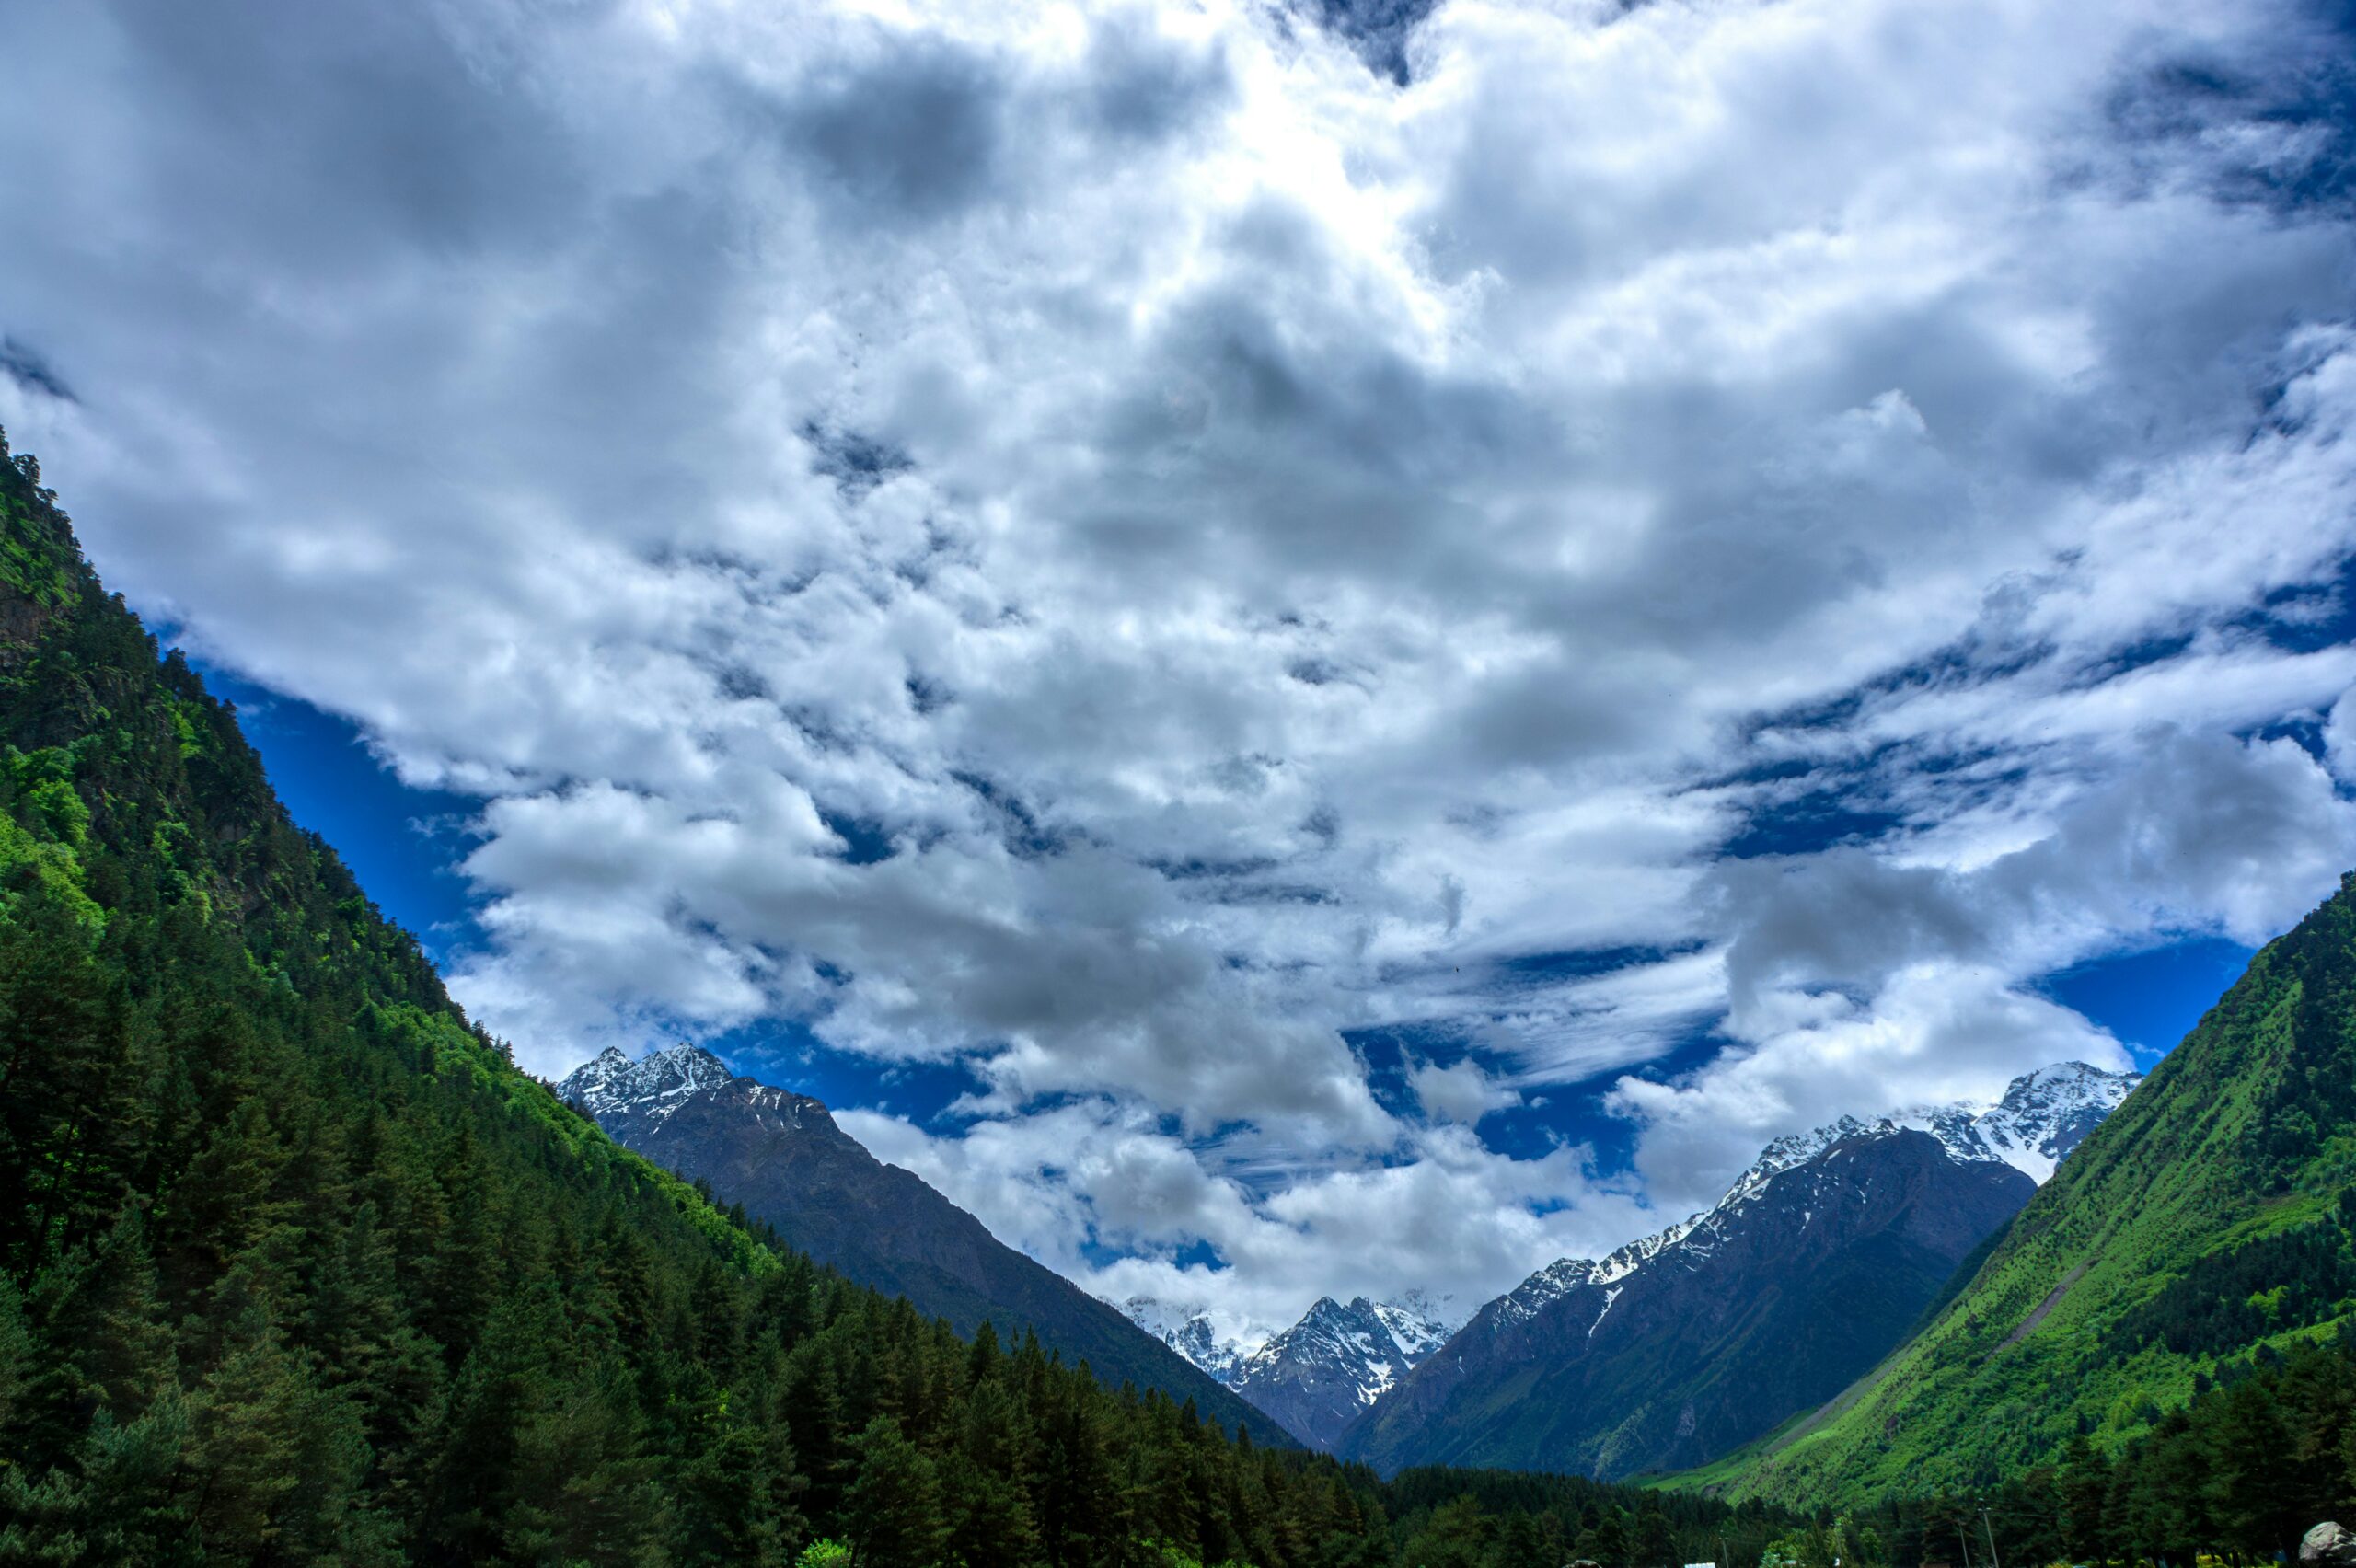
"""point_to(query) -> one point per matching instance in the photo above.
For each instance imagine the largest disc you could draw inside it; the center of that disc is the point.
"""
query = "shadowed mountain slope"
(1689, 1343)
(782, 1158)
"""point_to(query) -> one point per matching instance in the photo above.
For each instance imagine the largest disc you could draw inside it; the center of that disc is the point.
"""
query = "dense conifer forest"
(2266, 1449)
(301, 1269)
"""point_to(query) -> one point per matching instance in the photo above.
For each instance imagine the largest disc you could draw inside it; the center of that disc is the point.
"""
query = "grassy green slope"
(2202, 1220)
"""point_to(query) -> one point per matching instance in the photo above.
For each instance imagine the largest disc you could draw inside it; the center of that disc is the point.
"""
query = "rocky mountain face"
(1318, 1375)
(1685, 1345)
(1322, 1374)
(783, 1156)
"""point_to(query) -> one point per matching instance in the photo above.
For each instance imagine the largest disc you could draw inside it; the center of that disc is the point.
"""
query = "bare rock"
(2327, 1546)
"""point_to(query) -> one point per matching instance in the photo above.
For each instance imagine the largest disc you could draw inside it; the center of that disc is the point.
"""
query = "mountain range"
(782, 1158)
(1319, 1376)
(1688, 1343)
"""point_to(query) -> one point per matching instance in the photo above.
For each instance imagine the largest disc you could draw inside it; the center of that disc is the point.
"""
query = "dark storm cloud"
(1378, 30)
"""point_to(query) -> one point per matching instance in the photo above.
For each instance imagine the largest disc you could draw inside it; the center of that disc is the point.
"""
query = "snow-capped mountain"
(1321, 1372)
(1690, 1341)
(1321, 1375)
(1189, 1332)
(652, 1087)
(2042, 1117)
(1565, 1275)
(1419, 1321)
(2047, 1113)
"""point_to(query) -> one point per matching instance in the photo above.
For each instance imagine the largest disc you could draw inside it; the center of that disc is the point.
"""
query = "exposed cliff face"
(783, 1156)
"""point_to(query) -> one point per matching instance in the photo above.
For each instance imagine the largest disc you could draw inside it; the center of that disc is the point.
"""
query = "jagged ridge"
(781, 1155)
(1687, 1343)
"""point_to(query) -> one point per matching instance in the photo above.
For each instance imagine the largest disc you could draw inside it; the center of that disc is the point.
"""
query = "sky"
(1294, 647)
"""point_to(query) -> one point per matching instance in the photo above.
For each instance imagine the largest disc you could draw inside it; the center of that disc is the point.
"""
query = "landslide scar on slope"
(2028, 1325)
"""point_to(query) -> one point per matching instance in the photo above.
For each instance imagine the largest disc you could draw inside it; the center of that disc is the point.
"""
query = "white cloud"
(2340, 738)
(1448, 1215)
(1461, 1091)
(1269, 551)
(1863, 982)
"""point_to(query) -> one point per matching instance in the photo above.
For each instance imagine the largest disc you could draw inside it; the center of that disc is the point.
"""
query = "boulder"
(2327, 1546)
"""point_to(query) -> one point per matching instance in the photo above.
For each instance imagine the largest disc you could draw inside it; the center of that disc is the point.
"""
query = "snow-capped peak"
(1567, 1275)
(611, 1081)
(1188, 1330)
(1417, 1324)
(2042, 1116)
(1362, 1347)
(2046, 1113)
(1396, 1333)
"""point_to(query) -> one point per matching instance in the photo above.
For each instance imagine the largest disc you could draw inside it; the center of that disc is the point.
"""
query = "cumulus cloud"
(1865, 981)
(1461, 1091)
(2340, 738)
(1081, 1183)
(1115, 549)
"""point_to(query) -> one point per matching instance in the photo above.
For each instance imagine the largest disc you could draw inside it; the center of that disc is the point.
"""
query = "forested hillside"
(2205, 1222)
(300, 1269)
(2261, 1453)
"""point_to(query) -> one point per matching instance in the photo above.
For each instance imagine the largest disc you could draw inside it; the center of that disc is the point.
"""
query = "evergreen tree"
(1650, 1544)
(894, 1510)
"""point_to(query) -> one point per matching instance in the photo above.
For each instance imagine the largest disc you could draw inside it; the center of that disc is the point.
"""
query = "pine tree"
(2085, 1490)
(97, 1312)
(114, 1501)
(1651, 1546)
(1607, 1542)
(281, 1459)
(737, 1500)
(893, 1509)
(581, 1490)
(1455, 1535)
